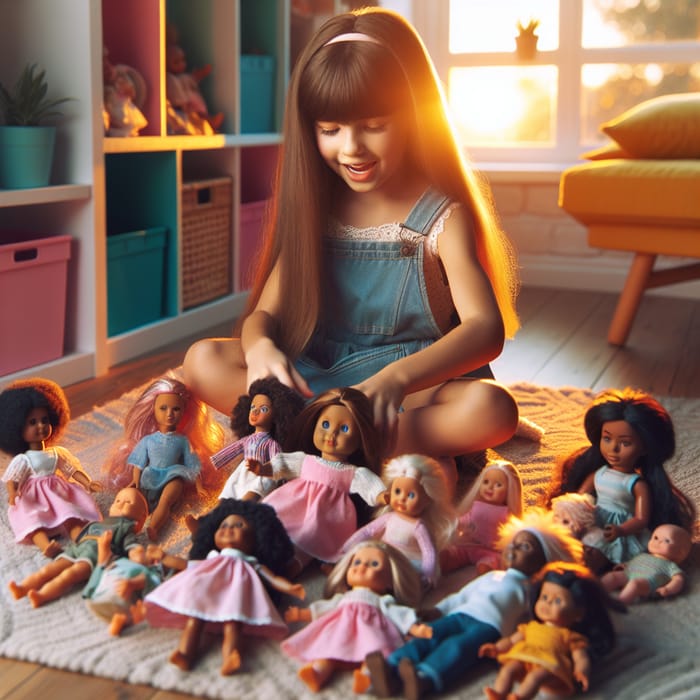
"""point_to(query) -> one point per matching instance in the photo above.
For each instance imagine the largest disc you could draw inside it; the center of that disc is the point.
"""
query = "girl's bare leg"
(183, 657)
(230, 648)
(68, 574)
(169, 498)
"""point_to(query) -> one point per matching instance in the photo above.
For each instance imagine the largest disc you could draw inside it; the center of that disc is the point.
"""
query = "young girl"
(419, 517)
(496, 494)
(370, 596)
(556, 650)
(43, 500)
(631, 437)
(357, 286)
(169, 437)
(238, 546)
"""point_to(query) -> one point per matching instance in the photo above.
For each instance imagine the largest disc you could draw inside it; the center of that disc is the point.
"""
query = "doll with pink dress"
(496, 494)
(238, 549)
(419, 518)
(368, 606)
(48, 491)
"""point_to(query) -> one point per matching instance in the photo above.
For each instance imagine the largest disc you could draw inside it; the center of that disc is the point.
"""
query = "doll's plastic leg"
(361, 681)
(183, 657)
(38, 578)
(49, 548)
(492, 694)
(384, 680)
(531, 684)
(230, 652)
(414, 685)
(317, 673)
(68, 574)
(118, 622)
(168, 499)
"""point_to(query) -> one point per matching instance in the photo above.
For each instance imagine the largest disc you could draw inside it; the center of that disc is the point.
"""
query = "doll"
(335, 433)
(169, 437)
(74, 565)
(43, 498)
(656, 572)
(631, 436)
(237, 548)
(369, 603)
(484, 610)
(262, 419)
(496, 494)
(555, 651)
(124, 97)
(418, 519)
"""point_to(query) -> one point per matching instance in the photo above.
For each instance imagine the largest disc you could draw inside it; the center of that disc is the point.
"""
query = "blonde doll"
(418, 519)
(496, 494)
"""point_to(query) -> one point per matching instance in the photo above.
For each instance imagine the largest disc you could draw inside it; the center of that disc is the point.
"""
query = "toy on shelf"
(555, 651)
(419, 517)
(368, 605)
(75, 564)
(169, 438)
(497, 493)
(48, 491)
(124, 97)
(237, 548)
(187, 110)
(655, 573)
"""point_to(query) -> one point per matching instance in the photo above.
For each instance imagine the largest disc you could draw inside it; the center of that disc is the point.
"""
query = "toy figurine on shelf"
(169, 438)
(339, 456)
(556, 650)
(75, 564)
(655, 573)
(48, 491)
(484, 610)
(419, 518)
(237, 548)
(188, 113)
(368, 605)
(496, 494)
(124, 98)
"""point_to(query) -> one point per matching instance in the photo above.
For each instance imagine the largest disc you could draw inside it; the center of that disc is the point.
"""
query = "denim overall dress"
(375, 308)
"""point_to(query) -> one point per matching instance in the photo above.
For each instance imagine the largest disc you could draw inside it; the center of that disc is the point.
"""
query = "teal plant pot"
(26, 156)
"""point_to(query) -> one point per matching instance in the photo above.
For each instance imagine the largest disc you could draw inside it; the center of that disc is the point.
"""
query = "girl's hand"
(265, 359)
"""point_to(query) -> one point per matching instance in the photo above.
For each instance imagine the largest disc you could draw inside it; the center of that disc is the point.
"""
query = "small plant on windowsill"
(526, 40)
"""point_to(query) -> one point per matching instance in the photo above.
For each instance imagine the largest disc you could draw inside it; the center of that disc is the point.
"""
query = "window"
(595, 59)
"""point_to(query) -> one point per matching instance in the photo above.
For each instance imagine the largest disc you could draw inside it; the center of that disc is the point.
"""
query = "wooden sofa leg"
(630, 298)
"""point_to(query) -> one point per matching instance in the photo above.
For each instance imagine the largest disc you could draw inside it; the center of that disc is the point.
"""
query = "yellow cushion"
(610, 150)
(663, 127)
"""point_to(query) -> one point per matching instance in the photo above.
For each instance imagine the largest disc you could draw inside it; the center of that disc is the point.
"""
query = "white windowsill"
(503, 173)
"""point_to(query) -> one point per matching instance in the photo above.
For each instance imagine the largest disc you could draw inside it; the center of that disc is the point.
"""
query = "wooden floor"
(562, 343)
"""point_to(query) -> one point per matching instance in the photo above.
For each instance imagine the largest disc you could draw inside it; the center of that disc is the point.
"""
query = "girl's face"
(494, 487)
(167, 409)
(556, 606)
(620, 445)
(336, 436)
(367, 154)
(37, 428)
(234, 532)
(261, 413)
(407, 496)
(369, 568)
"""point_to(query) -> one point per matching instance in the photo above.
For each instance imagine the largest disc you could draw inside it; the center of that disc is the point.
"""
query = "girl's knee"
(496, 403)
(198, 355)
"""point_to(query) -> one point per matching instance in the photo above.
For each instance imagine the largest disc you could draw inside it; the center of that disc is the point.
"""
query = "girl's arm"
(642, 514)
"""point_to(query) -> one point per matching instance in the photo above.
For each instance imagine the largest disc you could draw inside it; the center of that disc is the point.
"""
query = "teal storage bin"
(135, 278)
(257, 94)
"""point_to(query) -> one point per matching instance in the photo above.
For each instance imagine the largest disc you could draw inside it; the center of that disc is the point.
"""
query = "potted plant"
(26, 143)
(526, 40)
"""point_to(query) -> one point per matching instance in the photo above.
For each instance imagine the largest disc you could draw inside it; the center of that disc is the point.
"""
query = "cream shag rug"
(656, 657)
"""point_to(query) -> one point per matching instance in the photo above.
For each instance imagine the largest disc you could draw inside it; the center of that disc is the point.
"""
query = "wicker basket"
(207, 237)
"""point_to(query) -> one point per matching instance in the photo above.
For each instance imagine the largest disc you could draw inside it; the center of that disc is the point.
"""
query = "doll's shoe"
(414, 685)
(384, 680)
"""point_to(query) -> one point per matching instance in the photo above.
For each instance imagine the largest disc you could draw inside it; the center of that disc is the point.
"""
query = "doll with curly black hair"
(237, 548)
(48, 491)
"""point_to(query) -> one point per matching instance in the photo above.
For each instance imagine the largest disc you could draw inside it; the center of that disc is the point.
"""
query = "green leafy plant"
(27, 104)
(529, 28)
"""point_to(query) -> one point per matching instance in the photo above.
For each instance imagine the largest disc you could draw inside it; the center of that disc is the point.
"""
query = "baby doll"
(418, 519)
(169, 437)
(335, 433)
(43, 500)
(124, 95)
(262, 419)
(74, 565)
(631, 436)
(237, 548)
(484, 610)
(655, 573)
(369, 603)
(555, 650)
(496, 494)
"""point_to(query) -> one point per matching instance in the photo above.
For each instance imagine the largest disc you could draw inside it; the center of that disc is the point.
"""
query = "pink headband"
(352, 36)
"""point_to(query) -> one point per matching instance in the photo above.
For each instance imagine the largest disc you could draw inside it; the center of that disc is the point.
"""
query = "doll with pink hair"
(418, 519)
(169, 438)
(496, 494)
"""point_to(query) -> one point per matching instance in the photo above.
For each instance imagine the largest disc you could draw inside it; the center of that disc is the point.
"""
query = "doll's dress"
(258, 445)
(224, 587)
(45, 499)
(548, 646)
(163, 457)
(315, 508)
(351, 625)
(614, 506)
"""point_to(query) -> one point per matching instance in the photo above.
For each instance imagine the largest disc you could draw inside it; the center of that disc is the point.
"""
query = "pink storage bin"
(249, 240)
(33, 280)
